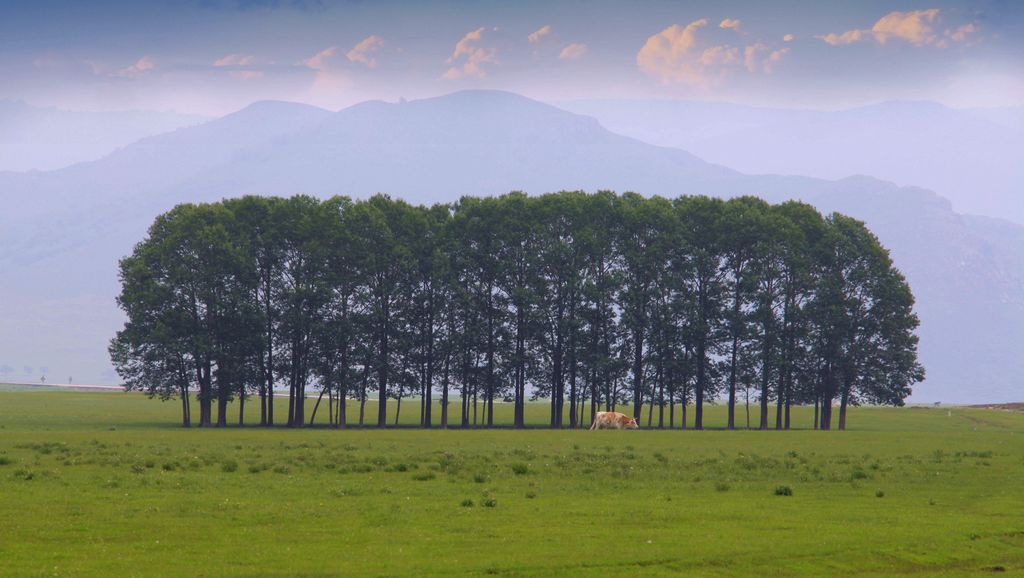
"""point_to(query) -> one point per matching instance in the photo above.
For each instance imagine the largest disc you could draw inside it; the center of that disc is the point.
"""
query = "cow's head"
(628, 422)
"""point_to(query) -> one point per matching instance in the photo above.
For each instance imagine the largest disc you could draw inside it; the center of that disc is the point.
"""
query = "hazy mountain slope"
(47, 212)
(973, 157)
(66, 229)
(46, 138)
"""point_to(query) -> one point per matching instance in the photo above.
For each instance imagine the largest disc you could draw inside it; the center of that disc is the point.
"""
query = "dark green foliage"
(588, 300)
(783, 491)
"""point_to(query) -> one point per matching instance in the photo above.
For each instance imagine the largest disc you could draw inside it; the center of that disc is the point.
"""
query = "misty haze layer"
(35, 138)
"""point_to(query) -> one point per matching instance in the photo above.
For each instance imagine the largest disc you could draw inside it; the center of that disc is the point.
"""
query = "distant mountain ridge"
(972, 156)
(60, 241)
(47, 138)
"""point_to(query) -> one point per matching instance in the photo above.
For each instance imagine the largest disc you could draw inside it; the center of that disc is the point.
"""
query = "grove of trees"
(585, 301)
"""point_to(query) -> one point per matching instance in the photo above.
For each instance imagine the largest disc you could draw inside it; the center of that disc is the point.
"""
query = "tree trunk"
(661, 399)
(186, 417)
(671, 409)
(205, 395)
(444, 392)
(732, 380)
(241, 407)
(698, 421)
(489, 399)
(316, 406)
(765, 377)
(428, 417)
(638, 372)
(222, 409)
(382, 368)
(844, 401)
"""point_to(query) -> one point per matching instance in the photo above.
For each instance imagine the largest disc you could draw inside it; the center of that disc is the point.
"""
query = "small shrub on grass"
(520, 469)
(138, 468)
(169, 466)
(229, 466)
(4, 461)
(879, 494)
(783, 491)
(424, 476)
(467, 503)
(722, 487)
(531, 495)
(480, 479)
(489, 503)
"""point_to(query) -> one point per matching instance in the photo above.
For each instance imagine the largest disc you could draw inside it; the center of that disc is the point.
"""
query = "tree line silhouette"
(583, 300)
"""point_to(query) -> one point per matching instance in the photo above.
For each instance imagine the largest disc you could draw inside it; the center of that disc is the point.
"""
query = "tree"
(700, 259)
(569, 296)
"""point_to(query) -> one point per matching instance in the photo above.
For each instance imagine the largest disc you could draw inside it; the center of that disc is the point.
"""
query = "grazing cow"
(613, 420)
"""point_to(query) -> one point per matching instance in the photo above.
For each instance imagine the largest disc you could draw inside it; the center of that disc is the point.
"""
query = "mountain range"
(47, 138)
(974, 157)
(62, 231)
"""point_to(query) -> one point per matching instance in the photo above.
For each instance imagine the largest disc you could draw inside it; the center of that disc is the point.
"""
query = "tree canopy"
(586, 301)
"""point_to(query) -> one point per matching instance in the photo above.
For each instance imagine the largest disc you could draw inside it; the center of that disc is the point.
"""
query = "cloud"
(685, 54)
(319, 60)
(960, 34)
(235, 60)
(536, 35)
(751, 56)
(573, 51)
(787, 38)
(329, 83)
(672, 54)
(239, 66)
(366, 49)
(246, 74)
(915, 27)
(768, 65)
(730, 23)
(141, 66)
(469, 57)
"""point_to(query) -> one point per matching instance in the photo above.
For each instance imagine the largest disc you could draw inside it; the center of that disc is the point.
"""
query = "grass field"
(108, 484)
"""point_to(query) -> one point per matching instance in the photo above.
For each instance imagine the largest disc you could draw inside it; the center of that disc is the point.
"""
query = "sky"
(212, 57)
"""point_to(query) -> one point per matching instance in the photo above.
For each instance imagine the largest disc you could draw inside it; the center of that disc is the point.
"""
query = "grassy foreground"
(108, 484)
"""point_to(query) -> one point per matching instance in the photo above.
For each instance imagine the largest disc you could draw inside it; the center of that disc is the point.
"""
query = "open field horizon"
(156, 413)
(108, 483)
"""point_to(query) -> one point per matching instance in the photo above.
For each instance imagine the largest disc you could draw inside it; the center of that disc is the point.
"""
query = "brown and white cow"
(613, 420)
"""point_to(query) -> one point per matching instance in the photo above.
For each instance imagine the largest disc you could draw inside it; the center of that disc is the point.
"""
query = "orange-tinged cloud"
(680, 54)
(469, 57)
(365, 51)
(573, 51)
(916, 27)
(541, 32)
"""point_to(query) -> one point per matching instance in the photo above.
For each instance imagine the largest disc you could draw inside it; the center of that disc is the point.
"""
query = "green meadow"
(101, 484)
